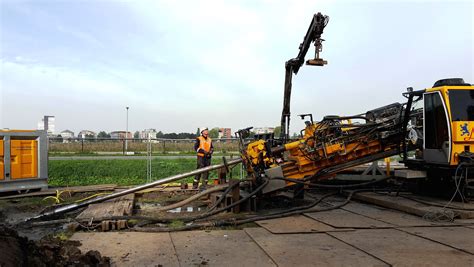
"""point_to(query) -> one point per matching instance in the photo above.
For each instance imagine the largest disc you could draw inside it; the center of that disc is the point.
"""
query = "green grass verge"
(121, 172)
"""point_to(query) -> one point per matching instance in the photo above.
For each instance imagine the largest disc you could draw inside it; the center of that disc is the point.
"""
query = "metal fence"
(139, 146)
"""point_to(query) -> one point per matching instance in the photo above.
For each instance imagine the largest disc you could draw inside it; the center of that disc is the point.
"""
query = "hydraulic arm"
(292, 66)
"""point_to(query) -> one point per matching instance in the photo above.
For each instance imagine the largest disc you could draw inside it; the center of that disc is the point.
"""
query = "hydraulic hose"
(208, 214)
(227, 191)
(319, 185)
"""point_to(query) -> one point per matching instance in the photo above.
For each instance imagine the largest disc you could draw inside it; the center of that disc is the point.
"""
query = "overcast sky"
(180, 65)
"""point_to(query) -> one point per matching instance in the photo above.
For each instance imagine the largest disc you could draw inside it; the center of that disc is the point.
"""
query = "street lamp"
(126, 134)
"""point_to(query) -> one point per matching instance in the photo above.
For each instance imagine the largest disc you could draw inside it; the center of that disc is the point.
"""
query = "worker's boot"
(195, 184)
(203, 185)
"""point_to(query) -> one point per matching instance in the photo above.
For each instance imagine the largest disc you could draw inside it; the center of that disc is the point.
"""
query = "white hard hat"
(202, 129)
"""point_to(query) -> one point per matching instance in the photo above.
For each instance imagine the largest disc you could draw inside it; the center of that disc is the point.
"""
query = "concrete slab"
(458, 237)
(467, 222)
(295, 224)
(218, 248)
(395, 218)
(403, 249)
(131, 249)
(344, 219)
(310, 250)
(405, 205)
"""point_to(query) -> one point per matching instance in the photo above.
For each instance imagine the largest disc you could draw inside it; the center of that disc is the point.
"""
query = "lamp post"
(126, 134)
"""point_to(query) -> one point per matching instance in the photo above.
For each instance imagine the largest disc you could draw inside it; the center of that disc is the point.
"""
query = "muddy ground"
(39, 246)
(49, 245)
(19, 251)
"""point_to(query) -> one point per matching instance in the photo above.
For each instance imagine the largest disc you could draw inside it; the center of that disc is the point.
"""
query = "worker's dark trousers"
(201, 163)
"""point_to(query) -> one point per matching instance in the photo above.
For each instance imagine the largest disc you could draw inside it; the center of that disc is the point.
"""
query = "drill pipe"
(75, 206)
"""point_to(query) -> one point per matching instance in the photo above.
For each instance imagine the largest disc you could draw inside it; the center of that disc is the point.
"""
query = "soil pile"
(19, 251)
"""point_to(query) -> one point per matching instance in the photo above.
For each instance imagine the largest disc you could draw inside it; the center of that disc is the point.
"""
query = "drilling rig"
(440, 133)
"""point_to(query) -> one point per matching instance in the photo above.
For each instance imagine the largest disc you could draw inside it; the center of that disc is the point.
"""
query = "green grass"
(117, 171)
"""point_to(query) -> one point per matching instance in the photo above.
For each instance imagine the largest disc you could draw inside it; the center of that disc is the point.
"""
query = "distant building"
(47, 124)
(263, 130)
(148, 133)
(121, 135)
(86, 134)
(67, 134)
(225, 133)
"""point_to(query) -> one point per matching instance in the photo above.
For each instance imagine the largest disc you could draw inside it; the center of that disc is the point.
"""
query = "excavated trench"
(19, 251)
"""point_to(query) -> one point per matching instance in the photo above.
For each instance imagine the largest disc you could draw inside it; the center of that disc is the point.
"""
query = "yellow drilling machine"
(436, 139)
(432, 133)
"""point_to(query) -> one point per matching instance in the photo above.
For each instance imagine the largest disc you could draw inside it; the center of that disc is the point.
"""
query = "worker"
(204, 149)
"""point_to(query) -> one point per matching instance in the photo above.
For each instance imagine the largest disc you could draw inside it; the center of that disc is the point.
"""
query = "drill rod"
(166, 180)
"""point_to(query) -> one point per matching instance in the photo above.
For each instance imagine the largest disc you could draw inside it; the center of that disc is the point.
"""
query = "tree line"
(213, 133)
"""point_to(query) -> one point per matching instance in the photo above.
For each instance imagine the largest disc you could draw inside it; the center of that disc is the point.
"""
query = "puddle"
(152, 206)
(186, 209)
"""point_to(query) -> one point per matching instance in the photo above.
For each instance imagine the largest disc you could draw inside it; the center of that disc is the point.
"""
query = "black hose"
(296, 181)
(299, 211)
(294, 211)
(224, 194)
(302, 207)
(208, 214)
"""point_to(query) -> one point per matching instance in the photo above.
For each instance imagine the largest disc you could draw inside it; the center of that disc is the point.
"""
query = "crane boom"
(292, 66)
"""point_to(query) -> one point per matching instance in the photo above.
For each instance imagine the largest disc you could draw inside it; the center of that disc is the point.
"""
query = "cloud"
(183, 64)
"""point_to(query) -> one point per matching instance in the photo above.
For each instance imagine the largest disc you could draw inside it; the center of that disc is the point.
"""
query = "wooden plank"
(131, 248)
(121, 206)
(405, 205)
(72, 189)
(296, 224)
(399, 248)
(310, 250)
(459, 237)
(340, 218)
(218, 248)
(392, 217)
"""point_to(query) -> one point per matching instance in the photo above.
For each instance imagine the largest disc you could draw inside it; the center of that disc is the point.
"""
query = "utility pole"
(126, 134)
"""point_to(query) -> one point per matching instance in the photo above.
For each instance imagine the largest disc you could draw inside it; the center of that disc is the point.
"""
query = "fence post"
(164, 146)
(123, 146)
(82, 145)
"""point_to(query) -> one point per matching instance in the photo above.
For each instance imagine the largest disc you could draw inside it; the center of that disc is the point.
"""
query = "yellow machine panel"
(463, 131)
(24, 160)
(2, 164)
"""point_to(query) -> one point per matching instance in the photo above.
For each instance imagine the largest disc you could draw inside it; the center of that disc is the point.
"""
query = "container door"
(2, 164)
(24, 159)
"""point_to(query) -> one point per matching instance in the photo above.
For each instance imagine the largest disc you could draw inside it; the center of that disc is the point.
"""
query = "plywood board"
(399, 248)
(120, 206)
(131, 248)
(310, 250)
(458, 237)
(72, 189)
(340, 218)
(295, 224)
(405, 205)
(218, 248)
(392, 217)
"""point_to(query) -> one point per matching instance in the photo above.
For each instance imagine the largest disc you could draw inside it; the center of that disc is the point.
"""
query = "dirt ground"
(19, 251)
(356, 230)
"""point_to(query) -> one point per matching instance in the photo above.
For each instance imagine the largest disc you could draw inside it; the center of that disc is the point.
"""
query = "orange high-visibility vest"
(204, 144)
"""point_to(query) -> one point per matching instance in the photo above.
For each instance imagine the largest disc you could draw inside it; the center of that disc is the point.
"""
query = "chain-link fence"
(139, 146)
